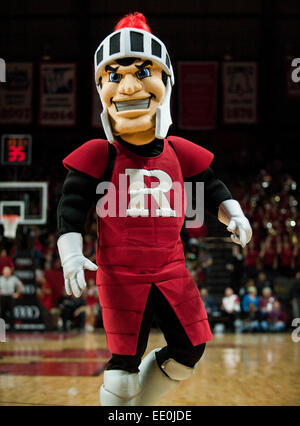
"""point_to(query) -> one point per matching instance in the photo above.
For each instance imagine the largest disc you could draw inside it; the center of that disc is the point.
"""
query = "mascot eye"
(143, 73)
(115, 77)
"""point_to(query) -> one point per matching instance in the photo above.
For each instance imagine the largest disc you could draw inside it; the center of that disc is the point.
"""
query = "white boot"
(154, 383)
(119, 388)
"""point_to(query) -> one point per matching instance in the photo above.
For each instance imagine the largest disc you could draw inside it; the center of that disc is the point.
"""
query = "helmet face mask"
(144, 85)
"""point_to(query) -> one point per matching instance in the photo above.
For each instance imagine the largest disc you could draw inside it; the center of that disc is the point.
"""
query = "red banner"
(57, 94)
(197, 95)
(239, 92)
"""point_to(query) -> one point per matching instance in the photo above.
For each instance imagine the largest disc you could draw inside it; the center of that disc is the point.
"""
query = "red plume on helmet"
(133, 20)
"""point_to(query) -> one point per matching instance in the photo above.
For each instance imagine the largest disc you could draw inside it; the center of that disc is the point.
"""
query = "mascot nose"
(129, 85)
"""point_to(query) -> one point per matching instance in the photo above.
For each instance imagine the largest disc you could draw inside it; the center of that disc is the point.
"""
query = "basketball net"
(10, 224)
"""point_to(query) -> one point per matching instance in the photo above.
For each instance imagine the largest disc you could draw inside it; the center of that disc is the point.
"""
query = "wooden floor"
(57, 369)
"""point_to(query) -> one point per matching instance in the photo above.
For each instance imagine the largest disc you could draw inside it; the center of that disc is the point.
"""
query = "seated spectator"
(262, 282)
(208, 301)
(5, 260)
(250, 299)
(251, 321)
(44, 294)
(244, 290)
(72, 312)
(230, 307)
(266, 302)
(44, 290)
(10, 290)
(276, 319)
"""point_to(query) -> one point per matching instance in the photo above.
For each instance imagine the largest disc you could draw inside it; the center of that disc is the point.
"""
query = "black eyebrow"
(144, 64)
(109, 68)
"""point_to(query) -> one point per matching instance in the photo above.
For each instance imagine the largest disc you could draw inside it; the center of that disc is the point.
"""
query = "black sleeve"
(78, 195)
(215, 191)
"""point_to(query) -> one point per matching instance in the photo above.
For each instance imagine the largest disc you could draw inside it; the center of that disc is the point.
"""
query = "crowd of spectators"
(246, 313)
(57, 313)
(270, 201)
(67, 312)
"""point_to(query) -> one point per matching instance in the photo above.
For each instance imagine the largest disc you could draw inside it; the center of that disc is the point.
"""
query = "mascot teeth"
(134, 104)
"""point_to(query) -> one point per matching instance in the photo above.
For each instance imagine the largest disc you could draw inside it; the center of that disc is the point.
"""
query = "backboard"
(28, 200)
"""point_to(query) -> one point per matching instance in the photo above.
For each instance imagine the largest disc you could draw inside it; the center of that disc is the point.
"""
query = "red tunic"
(135, 252)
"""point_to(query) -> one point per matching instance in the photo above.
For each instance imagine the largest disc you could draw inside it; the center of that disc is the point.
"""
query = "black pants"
(7, 307)
(179, 346)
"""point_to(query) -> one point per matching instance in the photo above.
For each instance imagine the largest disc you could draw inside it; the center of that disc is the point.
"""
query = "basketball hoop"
(10, 224)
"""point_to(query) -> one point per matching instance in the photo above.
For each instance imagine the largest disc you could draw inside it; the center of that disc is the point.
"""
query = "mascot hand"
(73, 263)
(231, 214)
(241, 230)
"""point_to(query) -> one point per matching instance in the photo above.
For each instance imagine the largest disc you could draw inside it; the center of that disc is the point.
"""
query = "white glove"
(231, 214)
(73, 262)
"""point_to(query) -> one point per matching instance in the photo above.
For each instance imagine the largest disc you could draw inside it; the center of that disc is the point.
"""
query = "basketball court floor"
(67, 369)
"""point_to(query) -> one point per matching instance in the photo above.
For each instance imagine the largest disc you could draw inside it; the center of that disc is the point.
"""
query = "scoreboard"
(16, 150)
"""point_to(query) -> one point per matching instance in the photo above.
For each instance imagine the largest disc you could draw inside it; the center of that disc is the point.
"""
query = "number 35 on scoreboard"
(16, 150)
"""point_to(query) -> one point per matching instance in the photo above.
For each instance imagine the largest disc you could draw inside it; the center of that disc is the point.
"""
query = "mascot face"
(134, 79)
(132, 89)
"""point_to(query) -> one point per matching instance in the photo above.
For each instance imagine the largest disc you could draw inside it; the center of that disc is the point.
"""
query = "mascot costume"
(141, 272)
